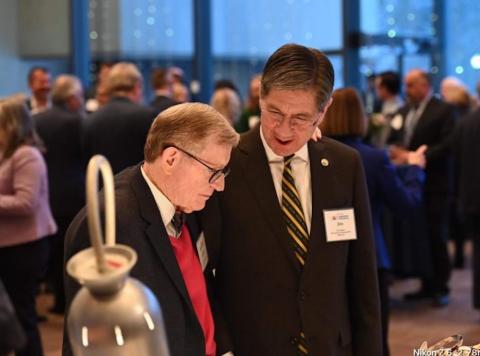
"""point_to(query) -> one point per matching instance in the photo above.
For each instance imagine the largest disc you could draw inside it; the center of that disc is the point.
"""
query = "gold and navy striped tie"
(296, 227)
(293, 213)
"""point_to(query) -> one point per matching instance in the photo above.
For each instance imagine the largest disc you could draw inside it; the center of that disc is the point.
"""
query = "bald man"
(427, 120)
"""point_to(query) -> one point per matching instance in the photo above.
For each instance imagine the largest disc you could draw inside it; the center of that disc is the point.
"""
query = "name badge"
(397, 122)
(340, 225)
(202, 251)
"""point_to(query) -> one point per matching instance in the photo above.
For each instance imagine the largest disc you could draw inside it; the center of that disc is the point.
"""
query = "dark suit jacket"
(118, 131)
(61, 132)
(433, 128)
(385, 188)
(160, 103)
(139, 225)
(265, 298)
(466, 143)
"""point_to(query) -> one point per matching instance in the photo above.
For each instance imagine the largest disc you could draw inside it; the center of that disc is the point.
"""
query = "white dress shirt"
(301, 172)
(166, 208)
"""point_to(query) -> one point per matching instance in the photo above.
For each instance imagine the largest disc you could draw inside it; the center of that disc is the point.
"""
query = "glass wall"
(393, 35)
(462, 40)
(397, 35)
(149, 33)
(245, 33)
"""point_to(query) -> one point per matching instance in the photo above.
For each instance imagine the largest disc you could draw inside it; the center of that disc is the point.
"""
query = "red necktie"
(194, 280)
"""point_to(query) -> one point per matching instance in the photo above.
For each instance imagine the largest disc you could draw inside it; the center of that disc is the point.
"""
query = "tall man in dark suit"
(426, 120)
(118, 129)
(466, 143)
(60, 128)
(291, 235)
(186, 154)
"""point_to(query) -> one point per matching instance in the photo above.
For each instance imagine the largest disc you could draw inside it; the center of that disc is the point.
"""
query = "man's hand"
(418, 157)
(398, 155)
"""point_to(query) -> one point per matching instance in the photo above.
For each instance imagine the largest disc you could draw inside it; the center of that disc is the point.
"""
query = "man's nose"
(219, 184)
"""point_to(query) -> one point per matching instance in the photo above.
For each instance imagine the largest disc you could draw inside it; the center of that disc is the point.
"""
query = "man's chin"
(284, 150)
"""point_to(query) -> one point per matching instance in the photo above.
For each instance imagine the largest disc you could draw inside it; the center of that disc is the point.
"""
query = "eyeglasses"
(216, 173)
(295, 122)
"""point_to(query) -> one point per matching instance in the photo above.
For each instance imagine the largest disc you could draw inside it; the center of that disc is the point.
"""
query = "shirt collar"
(424, 102)
(35, 108)
(167, 209)
(272, 157)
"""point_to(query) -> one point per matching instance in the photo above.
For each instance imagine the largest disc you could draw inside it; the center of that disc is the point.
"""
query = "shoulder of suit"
(334, 146)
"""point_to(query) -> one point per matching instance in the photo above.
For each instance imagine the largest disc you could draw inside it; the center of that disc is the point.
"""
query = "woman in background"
(346, 121)
(25, 216)
(227, 102)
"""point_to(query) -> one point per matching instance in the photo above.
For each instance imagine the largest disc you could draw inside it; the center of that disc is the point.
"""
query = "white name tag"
(397, 122)
(202, 251)
(340, 225)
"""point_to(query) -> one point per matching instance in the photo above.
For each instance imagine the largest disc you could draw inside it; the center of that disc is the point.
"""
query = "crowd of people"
(330, 194)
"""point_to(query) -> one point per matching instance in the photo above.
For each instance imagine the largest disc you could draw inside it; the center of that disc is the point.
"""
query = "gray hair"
(190, 126)
(64, 87)
(122, 78)
(293, 67)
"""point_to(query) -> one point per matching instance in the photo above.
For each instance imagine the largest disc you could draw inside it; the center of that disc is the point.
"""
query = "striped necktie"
(296, 227)
(293, 213)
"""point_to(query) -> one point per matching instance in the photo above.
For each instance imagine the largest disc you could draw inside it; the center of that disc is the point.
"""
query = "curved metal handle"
(100, 163)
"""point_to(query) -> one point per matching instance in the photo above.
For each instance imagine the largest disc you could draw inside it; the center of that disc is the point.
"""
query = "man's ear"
(323, 112)
(327, 105)
(169, 158)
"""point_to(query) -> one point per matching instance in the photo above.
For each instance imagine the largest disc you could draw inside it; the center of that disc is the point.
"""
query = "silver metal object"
(112, 314)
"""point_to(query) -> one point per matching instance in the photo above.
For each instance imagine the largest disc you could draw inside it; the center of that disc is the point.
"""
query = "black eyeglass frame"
(216, 173)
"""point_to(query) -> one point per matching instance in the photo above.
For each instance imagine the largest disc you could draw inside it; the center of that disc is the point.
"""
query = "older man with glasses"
(291, 236)
(186, 155)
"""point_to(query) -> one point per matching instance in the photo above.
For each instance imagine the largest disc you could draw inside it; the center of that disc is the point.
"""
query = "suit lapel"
(259, 180)
(157, 234)
(324, 192)
(422, 122)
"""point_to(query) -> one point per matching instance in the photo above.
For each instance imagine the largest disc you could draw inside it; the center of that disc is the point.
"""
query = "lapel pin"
(325, 162)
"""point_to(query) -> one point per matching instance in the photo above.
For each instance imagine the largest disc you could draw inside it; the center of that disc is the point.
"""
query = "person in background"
(227, 102)
(118, 129)
(427, 120)
(288, 281)
(227, 83)
(186, 155)
(60, 128)
(39, 82)
(346, 121)
(387, 89)
(161, 82)
(251, 113)
(180, 91)
(466, 147)
(13, 337)
(369, 96)
(97, 95)
(25, 216)
(454, 92)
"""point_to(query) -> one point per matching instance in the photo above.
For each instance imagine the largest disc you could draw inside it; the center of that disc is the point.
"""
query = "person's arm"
(28, 171)
(404, 195)
(362, 283)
